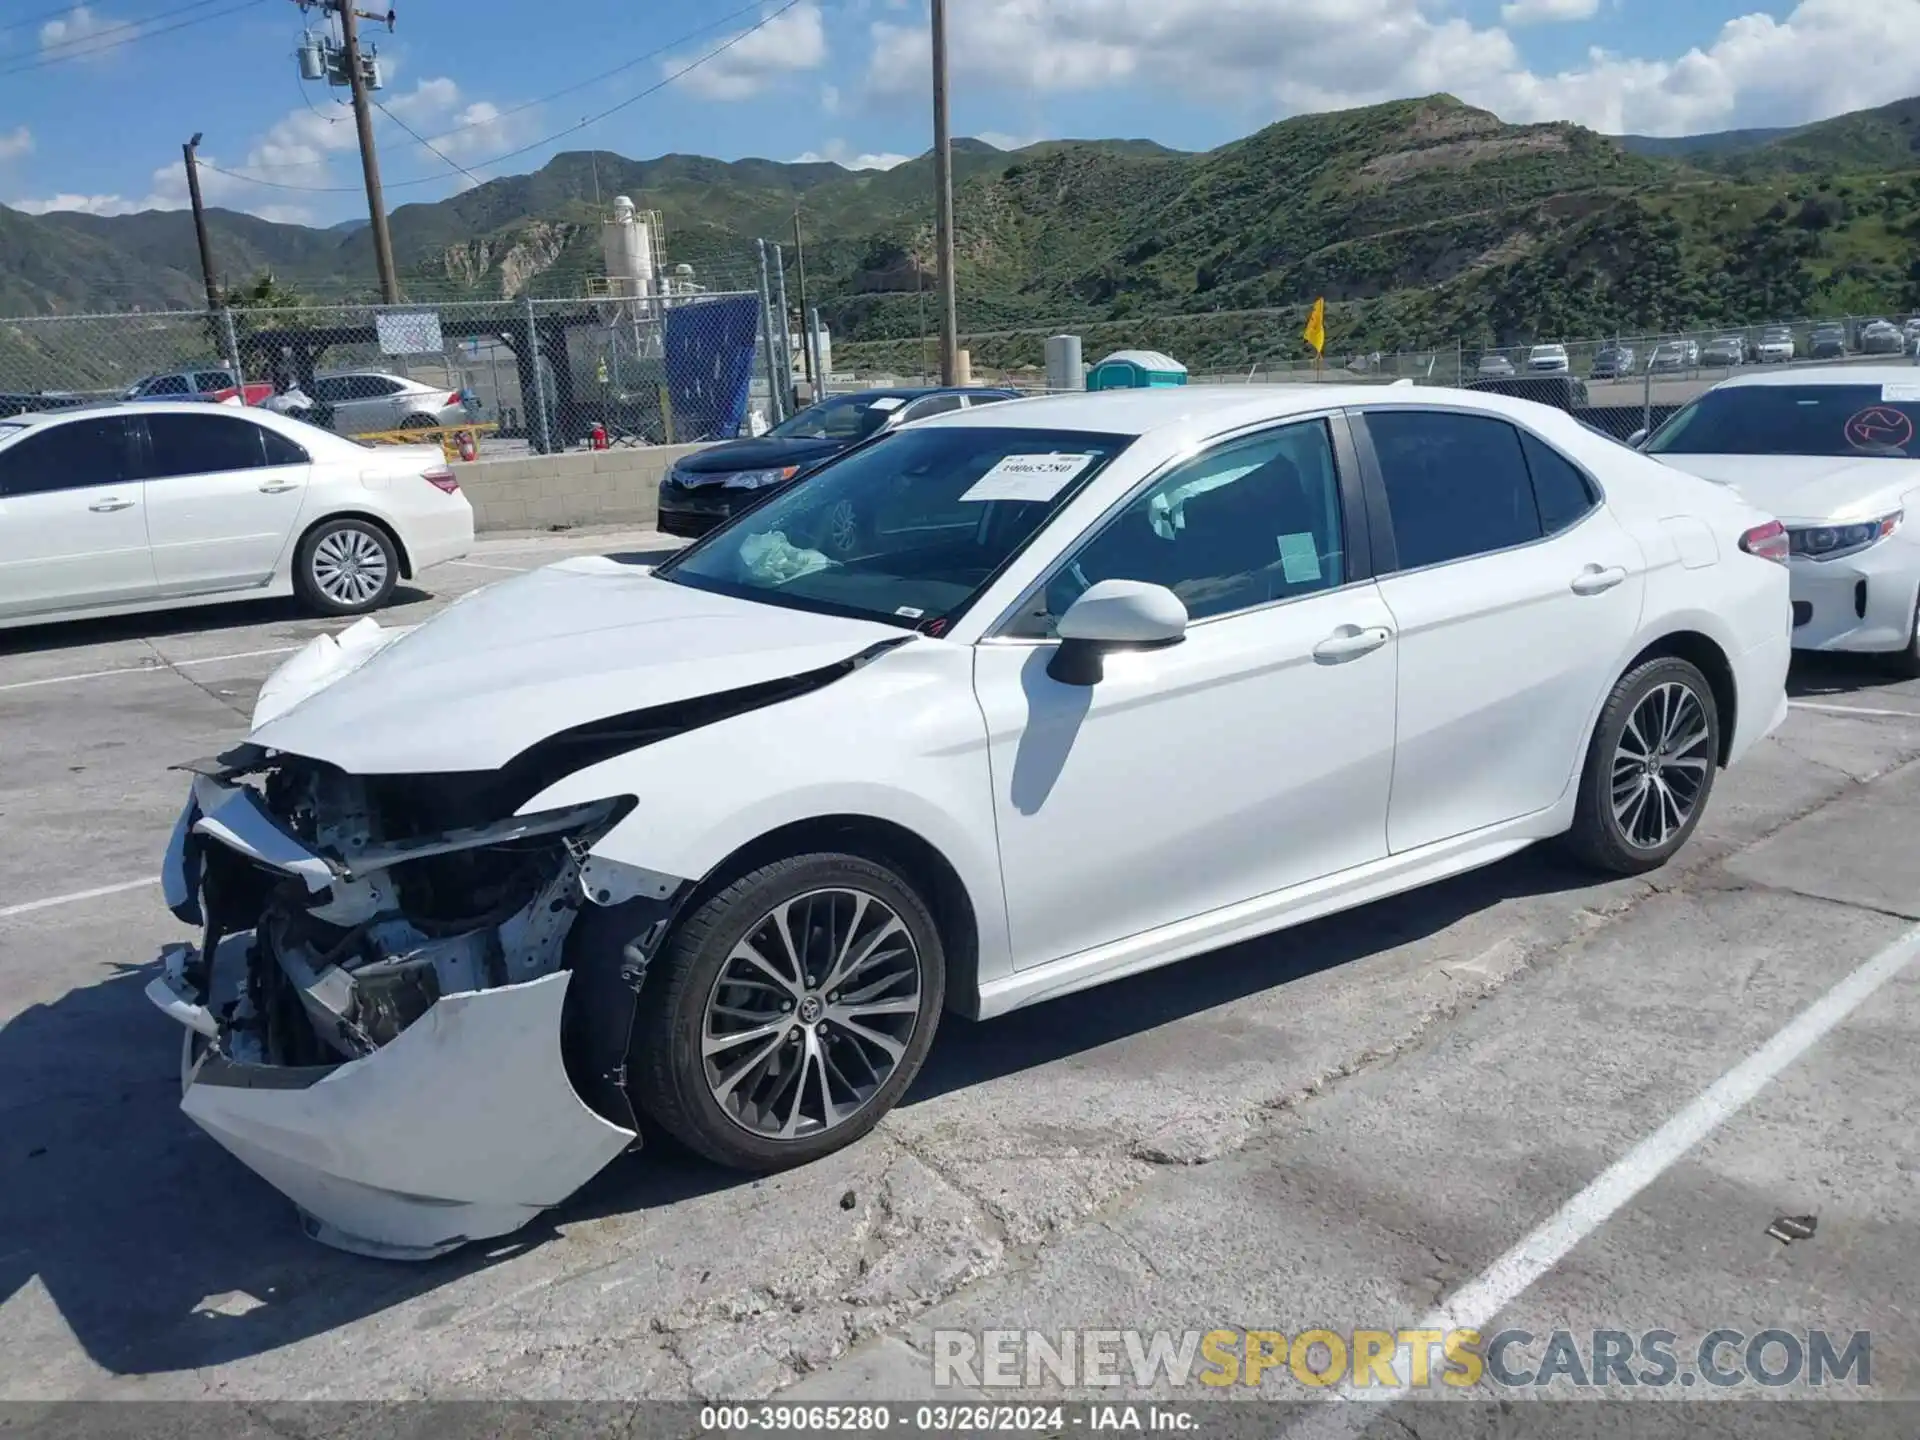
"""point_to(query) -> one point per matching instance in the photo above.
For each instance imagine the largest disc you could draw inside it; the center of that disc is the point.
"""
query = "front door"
(73, 520)
(1254, 755)
(1516, 593)
(223, 494)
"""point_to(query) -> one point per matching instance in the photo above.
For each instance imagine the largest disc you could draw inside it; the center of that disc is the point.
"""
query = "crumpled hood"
(1807, 487)
(507, 666)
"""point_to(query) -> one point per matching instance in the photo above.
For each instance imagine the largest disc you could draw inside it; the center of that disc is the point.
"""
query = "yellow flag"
(1316, 332)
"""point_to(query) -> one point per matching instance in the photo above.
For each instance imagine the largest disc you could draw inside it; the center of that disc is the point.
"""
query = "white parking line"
(157, 667)
(482, 565)
(1502, 1282)
(28, 906)
(1853, 710)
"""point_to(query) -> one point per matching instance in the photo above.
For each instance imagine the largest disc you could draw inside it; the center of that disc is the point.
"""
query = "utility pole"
(369, 159)
(806, 333)
(943, 202)
(200, 220)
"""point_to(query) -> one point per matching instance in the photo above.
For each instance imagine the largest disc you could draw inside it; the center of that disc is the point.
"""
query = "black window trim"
(1357, 525)
(1386, 553)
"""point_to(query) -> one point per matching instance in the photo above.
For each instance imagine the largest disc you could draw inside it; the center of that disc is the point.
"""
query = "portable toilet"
(1136, 370)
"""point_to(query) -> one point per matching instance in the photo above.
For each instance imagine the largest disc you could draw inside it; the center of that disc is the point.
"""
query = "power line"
(535, 145)
(426, 142)
(48, 47)
(591, 80)
(45, 62)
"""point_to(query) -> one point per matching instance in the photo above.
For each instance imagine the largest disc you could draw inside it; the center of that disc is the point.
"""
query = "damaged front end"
(385, 1017)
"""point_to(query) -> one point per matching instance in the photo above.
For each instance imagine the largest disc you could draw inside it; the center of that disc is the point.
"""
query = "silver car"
(366, 401)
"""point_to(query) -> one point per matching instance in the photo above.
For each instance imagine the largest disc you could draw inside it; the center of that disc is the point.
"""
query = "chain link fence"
(601, 370)
(516, 376)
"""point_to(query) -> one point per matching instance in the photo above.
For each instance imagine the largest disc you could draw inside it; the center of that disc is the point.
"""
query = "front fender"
(900, 741)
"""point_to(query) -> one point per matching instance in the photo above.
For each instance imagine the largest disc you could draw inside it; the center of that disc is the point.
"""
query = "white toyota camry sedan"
(1833, 454)
(156, 505)
(1103, 681)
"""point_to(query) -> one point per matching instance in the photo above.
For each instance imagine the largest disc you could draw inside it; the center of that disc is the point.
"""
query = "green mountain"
(1422, 222)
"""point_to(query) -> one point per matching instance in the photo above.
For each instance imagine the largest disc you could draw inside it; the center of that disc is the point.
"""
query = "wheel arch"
(379, 522)
(888, 842)
(1705, 654)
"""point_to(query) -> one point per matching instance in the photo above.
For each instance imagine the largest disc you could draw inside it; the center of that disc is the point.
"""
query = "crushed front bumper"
(464, 1126)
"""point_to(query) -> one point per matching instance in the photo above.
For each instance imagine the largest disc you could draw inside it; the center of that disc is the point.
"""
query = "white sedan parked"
(1833, 454)
(157, 505)
(1111, 680)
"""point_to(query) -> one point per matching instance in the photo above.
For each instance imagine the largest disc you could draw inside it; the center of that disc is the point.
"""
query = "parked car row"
(351, 402)
(1771, 344)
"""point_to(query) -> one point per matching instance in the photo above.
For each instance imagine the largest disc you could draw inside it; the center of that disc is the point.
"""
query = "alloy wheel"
(1660, 765)
(349, 566)
(812, 1010)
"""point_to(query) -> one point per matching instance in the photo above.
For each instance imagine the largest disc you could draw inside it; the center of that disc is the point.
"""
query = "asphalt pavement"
(1352, 1125)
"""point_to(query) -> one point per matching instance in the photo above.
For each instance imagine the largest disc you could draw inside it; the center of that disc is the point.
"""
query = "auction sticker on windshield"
(1879, 427)
(887, 402)
(1028, 477)
(1899, 394)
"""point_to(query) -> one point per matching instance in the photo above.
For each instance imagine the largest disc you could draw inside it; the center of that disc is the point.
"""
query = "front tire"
(345, 567)
(1906, 663)
(1650, 769)
(790, 1011)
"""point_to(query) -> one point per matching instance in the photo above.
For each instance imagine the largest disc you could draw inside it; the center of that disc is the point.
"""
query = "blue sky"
(95, 99)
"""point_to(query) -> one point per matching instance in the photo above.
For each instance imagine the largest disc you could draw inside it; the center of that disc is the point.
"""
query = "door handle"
(112, 502)
(1594, 579)
(1347, 642)
(278, 487)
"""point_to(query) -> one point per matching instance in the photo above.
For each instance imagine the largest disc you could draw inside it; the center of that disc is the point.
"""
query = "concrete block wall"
(595, 487)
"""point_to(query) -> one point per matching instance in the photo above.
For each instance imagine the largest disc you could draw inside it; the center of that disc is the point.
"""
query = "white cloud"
(1533, 12)
(86, 204)
(836, 151)
(1001, 140)
(15, 144)
(790, 43)
(830, 99)
(1287, 56)
(73, 35)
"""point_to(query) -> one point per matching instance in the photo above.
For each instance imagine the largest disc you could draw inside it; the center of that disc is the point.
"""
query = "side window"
(327, 391)
(1246, 523)
(208, 380)
(974, 402)
(199, 444)
(1562, 492)
(932, 405)
(70, 456)
(386, 385)
(1457, 484)
(281, 450)
(166, 385)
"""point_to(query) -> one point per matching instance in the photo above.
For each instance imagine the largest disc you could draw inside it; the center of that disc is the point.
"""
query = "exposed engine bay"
(384, 1016)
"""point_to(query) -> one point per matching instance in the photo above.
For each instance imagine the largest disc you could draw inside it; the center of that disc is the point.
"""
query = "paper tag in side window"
(1299, 558)
(1028, 477)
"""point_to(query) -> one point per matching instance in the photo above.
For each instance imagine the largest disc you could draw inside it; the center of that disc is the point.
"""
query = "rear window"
(1837, 421)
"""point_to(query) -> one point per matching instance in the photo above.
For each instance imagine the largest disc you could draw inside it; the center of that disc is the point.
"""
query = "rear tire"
(789, 1012)
(1650, 769)
(345, 567)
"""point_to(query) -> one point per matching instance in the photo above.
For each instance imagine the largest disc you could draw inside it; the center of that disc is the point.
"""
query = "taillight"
(1768, 541)
(442, 478)
(453, 401)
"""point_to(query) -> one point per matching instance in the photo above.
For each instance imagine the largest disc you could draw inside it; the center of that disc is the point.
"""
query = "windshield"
(905, 530)
(844, 417)
(1826, 420)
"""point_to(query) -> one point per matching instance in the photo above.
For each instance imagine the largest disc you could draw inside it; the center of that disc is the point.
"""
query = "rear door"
(223, 494)
(73, 527)
(1514, 592)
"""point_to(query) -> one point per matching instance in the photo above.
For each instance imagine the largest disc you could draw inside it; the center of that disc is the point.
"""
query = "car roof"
(915, 392)
(135, 407)
(1831, 375)
(1207, 409)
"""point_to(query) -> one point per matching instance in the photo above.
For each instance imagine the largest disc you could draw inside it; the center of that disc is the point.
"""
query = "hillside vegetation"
(1423, 222)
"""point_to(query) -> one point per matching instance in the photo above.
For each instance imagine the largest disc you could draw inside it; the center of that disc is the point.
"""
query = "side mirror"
(1114, 615)
(1636, 437)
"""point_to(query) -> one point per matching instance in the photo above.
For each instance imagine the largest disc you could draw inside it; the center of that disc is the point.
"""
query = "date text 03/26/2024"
(944, 1419)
